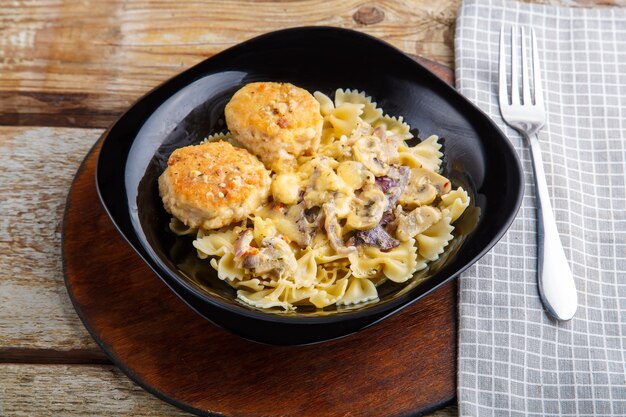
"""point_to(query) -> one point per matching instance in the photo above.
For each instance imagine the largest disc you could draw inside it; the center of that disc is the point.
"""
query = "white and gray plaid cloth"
(514, 360)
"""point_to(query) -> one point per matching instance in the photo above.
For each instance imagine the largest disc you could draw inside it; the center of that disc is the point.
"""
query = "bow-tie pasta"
(309, 200)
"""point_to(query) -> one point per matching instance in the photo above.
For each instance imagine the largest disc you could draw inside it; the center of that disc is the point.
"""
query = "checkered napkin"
(514, 360)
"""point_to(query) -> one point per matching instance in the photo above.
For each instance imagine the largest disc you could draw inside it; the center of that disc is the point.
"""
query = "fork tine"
(538, 82)
(503, 94)
(514, 65)
(525, 70)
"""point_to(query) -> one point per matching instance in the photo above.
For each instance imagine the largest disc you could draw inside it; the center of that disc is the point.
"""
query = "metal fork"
(527, 116)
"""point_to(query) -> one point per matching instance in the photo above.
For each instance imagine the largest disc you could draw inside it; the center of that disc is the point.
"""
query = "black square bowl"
(188, 107)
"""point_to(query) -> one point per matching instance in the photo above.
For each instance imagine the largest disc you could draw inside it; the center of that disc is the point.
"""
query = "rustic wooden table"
(67, 70)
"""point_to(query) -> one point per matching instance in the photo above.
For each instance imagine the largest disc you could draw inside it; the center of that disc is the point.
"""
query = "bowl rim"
(387, 308)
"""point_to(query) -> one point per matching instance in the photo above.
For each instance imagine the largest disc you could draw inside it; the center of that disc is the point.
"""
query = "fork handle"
(555, 280)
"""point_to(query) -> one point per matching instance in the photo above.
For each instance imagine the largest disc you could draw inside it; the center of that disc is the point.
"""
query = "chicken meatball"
(276, 122)
(213, 184)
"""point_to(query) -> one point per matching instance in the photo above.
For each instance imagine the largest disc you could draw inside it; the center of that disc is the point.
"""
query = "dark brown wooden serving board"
(405, 365)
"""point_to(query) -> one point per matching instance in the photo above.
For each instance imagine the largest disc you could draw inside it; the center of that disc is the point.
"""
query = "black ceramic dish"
(187, 108)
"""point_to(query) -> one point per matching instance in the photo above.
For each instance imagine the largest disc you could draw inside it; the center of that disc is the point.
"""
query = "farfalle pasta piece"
(341, 120)
(329, 274)
(306, 273)
(216, 137)
(371, 112)
(330, 295)
(325, 257)
(326, 104)
(227, 268)
(454, 203)
(395, 126)
(220, 244)
(281, 291)
(426, 154)
(284, 294)
(397, 264)
(253, 284)
(359, 291)
(411, 224)
(345, 118)
(215, 243)
(260, 299)
(432, 241)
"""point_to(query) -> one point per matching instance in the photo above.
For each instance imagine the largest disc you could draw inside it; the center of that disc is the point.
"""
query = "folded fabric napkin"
(513, 358)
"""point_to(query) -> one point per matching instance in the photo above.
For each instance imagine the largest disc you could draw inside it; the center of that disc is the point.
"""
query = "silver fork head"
(525, 114)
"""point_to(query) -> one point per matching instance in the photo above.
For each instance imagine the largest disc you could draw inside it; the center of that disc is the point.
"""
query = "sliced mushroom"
(377, 237)
(277, 257)
(308, 222)
(323, 183)
(393, 184)
(333, 230)
(273, 257)
(368, 208)
(414, 223)
(389, 146)
(369, 151)
(423, 187)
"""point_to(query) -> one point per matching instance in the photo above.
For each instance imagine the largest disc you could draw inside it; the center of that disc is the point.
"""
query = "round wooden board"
(405, 365)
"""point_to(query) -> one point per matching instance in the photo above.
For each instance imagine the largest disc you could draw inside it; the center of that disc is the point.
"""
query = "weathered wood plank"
(60, 390)
(36, 170)
(66, 63)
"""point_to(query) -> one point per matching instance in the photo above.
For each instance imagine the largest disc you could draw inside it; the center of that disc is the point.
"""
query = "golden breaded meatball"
(213, 184)
(276, 122)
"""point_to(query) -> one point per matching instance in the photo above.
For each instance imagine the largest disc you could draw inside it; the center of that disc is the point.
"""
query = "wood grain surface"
(37, 321)
(65, 63)
(83, 391)
(69, 63)
(36, 317)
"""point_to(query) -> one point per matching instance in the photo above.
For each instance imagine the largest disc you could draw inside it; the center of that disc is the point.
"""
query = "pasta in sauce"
(355, 209)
